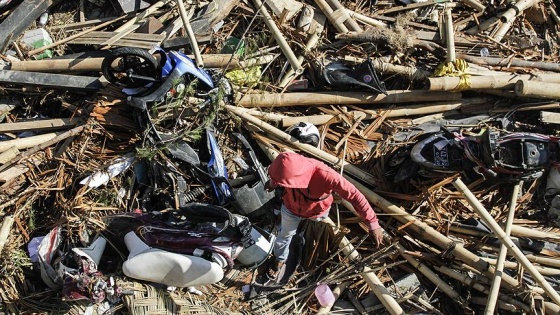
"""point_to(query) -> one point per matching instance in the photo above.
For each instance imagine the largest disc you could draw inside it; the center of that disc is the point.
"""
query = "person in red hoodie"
(308, 186)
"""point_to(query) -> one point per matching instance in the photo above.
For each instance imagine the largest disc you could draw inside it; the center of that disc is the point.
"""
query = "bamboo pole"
(5, 230)
(77, 35)
(284, 46)
(516, 9)
(190, 33)
(352, 169)
(502, 30)
(94, 64)
(336, 20)
(537, 89)
(368, 275)
(343, 98)
(480, 210)
(510, 62)
(58, 65)
(24, 143)
(489, 81)
(366, 19)
(554, 262)
(342, 12)
(495, 287)
(449, 35)
(545, 271)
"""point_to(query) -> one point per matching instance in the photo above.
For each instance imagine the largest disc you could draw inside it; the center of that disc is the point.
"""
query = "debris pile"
(135, 137)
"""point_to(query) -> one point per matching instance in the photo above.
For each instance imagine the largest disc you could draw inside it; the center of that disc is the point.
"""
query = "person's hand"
(268, 186)
(377, 236)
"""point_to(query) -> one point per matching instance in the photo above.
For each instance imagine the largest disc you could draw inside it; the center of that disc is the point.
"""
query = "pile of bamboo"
(439, 61)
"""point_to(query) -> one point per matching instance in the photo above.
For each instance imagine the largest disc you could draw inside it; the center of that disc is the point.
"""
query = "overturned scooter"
(194, 245)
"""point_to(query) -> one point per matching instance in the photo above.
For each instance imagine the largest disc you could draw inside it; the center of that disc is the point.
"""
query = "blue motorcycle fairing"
(184, 64)
(217, 170)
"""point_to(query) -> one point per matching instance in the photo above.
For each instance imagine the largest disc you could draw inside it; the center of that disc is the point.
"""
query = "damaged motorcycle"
(491, 152)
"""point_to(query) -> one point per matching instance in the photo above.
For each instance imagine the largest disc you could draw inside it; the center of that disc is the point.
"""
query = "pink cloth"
(309, 184)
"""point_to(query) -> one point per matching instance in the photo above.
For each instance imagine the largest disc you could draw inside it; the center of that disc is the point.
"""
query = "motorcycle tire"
(143, 67)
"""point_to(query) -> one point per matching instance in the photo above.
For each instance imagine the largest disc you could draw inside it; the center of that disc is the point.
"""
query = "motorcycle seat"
(171, 269)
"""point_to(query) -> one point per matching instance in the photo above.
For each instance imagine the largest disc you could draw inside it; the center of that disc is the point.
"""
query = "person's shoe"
(274, 269)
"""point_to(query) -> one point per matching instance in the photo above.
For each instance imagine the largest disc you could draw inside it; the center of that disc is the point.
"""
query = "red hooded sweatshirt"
(309, 184)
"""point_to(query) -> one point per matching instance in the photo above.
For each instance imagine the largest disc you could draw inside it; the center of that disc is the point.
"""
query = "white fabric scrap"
(100, 178)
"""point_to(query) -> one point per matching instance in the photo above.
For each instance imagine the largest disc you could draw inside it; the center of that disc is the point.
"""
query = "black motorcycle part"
(157, 95)
(129, 67)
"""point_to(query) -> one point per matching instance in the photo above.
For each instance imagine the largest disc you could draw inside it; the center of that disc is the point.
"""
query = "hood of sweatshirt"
(291, 170)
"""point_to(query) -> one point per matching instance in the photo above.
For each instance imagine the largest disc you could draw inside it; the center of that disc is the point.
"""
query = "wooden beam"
(50, 80)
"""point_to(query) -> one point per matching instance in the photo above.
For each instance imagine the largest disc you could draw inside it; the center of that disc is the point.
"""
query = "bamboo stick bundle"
(401, 111)
(479, 287)
(537, 89)
(506, 81)
(541, 281)
(343, 98)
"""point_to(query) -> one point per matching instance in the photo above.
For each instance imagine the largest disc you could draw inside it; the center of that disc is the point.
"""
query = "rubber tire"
(106, 68)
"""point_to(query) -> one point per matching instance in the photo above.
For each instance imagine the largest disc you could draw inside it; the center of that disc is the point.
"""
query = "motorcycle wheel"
(129, 67)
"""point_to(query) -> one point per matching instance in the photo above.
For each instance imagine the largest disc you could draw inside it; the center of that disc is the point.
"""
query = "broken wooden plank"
(50, 80)
(39, 125)
(211, 14)
(550, 117)
(72, 37)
